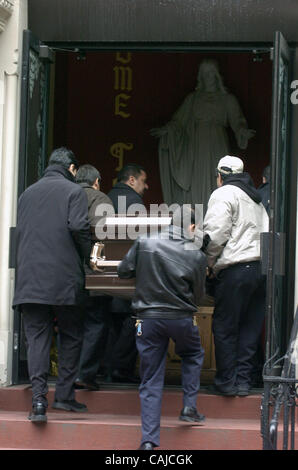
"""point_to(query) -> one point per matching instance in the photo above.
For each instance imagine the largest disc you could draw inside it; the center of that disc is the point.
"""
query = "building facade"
(85, 67)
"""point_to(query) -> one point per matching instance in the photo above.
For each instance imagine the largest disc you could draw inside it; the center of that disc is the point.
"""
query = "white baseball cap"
(229, 164)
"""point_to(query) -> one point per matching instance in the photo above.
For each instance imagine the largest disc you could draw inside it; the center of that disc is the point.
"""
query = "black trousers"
(121, 351)
(38, 322)
(153, 346)
(237, 323)
(96, 327)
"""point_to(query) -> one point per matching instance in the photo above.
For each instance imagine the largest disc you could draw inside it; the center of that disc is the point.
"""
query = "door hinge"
(15, 341)
(46, 54)
(271, 53)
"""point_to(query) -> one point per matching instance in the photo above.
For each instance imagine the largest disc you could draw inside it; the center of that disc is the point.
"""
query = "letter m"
(123, 78)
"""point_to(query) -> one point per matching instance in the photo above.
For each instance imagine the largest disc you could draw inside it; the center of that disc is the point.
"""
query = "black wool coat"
(53, 239)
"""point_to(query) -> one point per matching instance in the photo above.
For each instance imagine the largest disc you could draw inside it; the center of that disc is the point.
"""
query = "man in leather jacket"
(170, 278)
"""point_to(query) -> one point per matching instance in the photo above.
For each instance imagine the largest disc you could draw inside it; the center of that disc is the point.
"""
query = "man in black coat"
(121, 353)
(129, 189)
(53, 240)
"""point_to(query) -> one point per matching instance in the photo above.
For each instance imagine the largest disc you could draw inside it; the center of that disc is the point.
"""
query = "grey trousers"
(38, 326)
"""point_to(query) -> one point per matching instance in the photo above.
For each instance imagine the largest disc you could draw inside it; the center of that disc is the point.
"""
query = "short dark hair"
(64, 157)
(183, 214)
(222, 174)
(131, 169)
(87, 174)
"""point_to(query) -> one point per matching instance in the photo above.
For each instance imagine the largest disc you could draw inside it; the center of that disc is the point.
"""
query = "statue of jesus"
(191, 144)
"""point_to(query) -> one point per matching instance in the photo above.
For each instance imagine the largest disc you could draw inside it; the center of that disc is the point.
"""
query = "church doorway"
(106, 103)
(103, 104)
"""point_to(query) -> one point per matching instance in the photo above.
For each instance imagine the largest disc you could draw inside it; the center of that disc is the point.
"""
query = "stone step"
(125, 401)
(89, 431)
(113, 422)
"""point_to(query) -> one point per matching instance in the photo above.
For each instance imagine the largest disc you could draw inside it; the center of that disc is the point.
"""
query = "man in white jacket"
(234, 220)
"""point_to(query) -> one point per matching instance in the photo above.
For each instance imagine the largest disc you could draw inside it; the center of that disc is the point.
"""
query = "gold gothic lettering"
(120, 57)
(123, 83)
(119, 104)
(117, 151)
(123, 78)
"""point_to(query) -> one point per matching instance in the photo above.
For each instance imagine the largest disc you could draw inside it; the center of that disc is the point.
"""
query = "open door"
(277, 315)
(36, 61)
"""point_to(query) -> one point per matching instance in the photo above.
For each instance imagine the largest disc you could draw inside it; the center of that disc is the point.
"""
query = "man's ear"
(131, 180)
(72, 169)
(96, 184)
(220, 180)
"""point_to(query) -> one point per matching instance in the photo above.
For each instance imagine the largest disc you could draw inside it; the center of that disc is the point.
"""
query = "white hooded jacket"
(233, 222)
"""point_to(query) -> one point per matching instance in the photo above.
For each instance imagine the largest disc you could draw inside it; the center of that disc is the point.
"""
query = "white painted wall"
(10, 66)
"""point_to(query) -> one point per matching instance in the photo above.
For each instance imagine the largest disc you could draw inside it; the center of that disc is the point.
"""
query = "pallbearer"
(170, 276)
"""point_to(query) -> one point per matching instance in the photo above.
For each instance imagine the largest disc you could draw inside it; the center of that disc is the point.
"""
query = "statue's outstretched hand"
(244, 136)
(158, 131)
(250, 133)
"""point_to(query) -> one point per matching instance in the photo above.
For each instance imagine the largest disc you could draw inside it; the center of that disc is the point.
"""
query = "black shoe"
(118, 376)
(91, 385)
(191, 415)
(70, 405)
(146, 446)
(38, 413)
(242, 390)
(226, 393)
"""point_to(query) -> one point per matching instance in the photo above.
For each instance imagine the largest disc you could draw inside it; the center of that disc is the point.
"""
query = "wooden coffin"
(117, 234)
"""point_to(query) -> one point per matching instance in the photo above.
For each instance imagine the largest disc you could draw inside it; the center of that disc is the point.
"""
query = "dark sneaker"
(118, 376)
(146, 446)
(225, 393)
(191, 415)
(38, 413)
(70, 405)
(242, 390)
(91, 385)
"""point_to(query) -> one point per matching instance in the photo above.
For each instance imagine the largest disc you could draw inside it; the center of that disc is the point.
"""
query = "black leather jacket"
(170, 279)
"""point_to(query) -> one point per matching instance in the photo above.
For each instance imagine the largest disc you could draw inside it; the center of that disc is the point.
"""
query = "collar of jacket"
(54, 170)
(86, 185)
(244, 182)
(124, 186)
(177, 232)
(263, 185)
